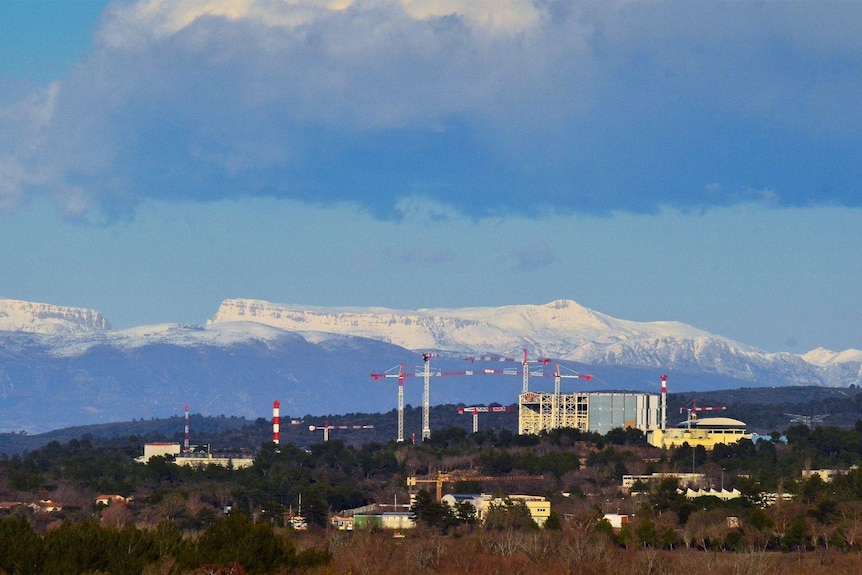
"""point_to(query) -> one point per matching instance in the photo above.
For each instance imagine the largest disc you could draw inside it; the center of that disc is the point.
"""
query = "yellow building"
(194, 459)
(539, 507)
(707, 432)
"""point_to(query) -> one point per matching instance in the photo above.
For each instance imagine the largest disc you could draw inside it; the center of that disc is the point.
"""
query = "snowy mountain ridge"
(68, 366)
(561, 329)
(47, 319)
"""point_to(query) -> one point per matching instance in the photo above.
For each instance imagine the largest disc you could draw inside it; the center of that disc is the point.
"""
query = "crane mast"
(426, 397)
(427, 373)
(400, 375)
(440, 478)
(326, 428)
(475, 410)
(525, 365)
(693, 408)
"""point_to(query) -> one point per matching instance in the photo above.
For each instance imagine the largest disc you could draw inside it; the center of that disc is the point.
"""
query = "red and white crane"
(477, 409)
(326, 428)
(525, 366)
(692, 408)
(427, 373)
(558, 374)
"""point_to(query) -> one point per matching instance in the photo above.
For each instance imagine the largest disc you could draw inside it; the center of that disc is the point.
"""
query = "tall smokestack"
(275, 421)
(186, 448)
(663, 402)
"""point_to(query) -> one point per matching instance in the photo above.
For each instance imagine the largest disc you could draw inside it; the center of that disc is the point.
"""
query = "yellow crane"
(441, 478)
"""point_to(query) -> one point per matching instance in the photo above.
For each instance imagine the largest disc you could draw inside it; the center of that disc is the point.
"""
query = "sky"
(697, 162)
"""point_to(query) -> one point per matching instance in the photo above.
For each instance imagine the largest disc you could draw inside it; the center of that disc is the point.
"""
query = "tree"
(509, 514)
(21, 548)
(553, 523)
(254, 546)
(431, 512)
(797, 535)
(645, 532)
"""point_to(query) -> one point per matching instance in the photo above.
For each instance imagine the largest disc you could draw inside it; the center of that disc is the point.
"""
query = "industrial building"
(600, 412)
(596, 412)
(538, 507)
(707, 432)
(194, 458)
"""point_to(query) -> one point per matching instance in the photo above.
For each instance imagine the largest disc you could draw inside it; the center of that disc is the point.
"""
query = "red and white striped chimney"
(275, 421)
(186, 441)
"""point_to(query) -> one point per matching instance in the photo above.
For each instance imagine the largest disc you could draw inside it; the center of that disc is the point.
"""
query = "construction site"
(538, 412)
(597, 412)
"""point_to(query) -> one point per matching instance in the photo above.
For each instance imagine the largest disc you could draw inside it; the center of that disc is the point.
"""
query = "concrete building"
(601, 412)
(685, 479)
(342, 523)
(111, 499)
(159, 449)
(596, 412)
(236, 461)
(194, 458)
(707, 432)
(722, 494)
(479, 501)
(826, 475)
(385, 520)
(616, 520)
(539, 507)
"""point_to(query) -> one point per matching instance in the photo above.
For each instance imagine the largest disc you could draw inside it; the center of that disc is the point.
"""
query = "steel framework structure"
(540, 411)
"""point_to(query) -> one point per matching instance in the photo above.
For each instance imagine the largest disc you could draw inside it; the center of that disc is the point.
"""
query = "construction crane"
(525, 365)
(558, 374)
(427, 373)
(477, 409)
(442, 478)
(400, 375)
(426, 396)
(186, 446)
(327, 428)
(692, 408)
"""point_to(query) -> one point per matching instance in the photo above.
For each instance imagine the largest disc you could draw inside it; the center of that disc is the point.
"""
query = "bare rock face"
(47, 319)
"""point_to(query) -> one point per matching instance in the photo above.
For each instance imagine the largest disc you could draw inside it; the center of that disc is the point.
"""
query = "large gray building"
(597, 412)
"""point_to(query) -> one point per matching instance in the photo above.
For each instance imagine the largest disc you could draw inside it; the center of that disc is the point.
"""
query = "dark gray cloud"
(522, 107)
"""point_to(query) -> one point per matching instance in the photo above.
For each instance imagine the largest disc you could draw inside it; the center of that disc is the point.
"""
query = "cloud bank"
(484, 108)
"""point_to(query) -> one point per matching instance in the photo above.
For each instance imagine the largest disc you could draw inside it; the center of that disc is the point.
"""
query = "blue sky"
(698, 162)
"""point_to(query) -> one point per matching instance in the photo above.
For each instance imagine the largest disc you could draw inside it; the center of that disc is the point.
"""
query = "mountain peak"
(823, 356)
(557, 329)
(47, 319)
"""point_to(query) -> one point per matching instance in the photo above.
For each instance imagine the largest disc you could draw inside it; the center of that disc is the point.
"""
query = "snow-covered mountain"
(64, 366)
(562, 330)
(16, 315)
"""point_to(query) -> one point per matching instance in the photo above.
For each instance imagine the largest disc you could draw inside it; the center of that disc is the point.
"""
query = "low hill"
(764, 409)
